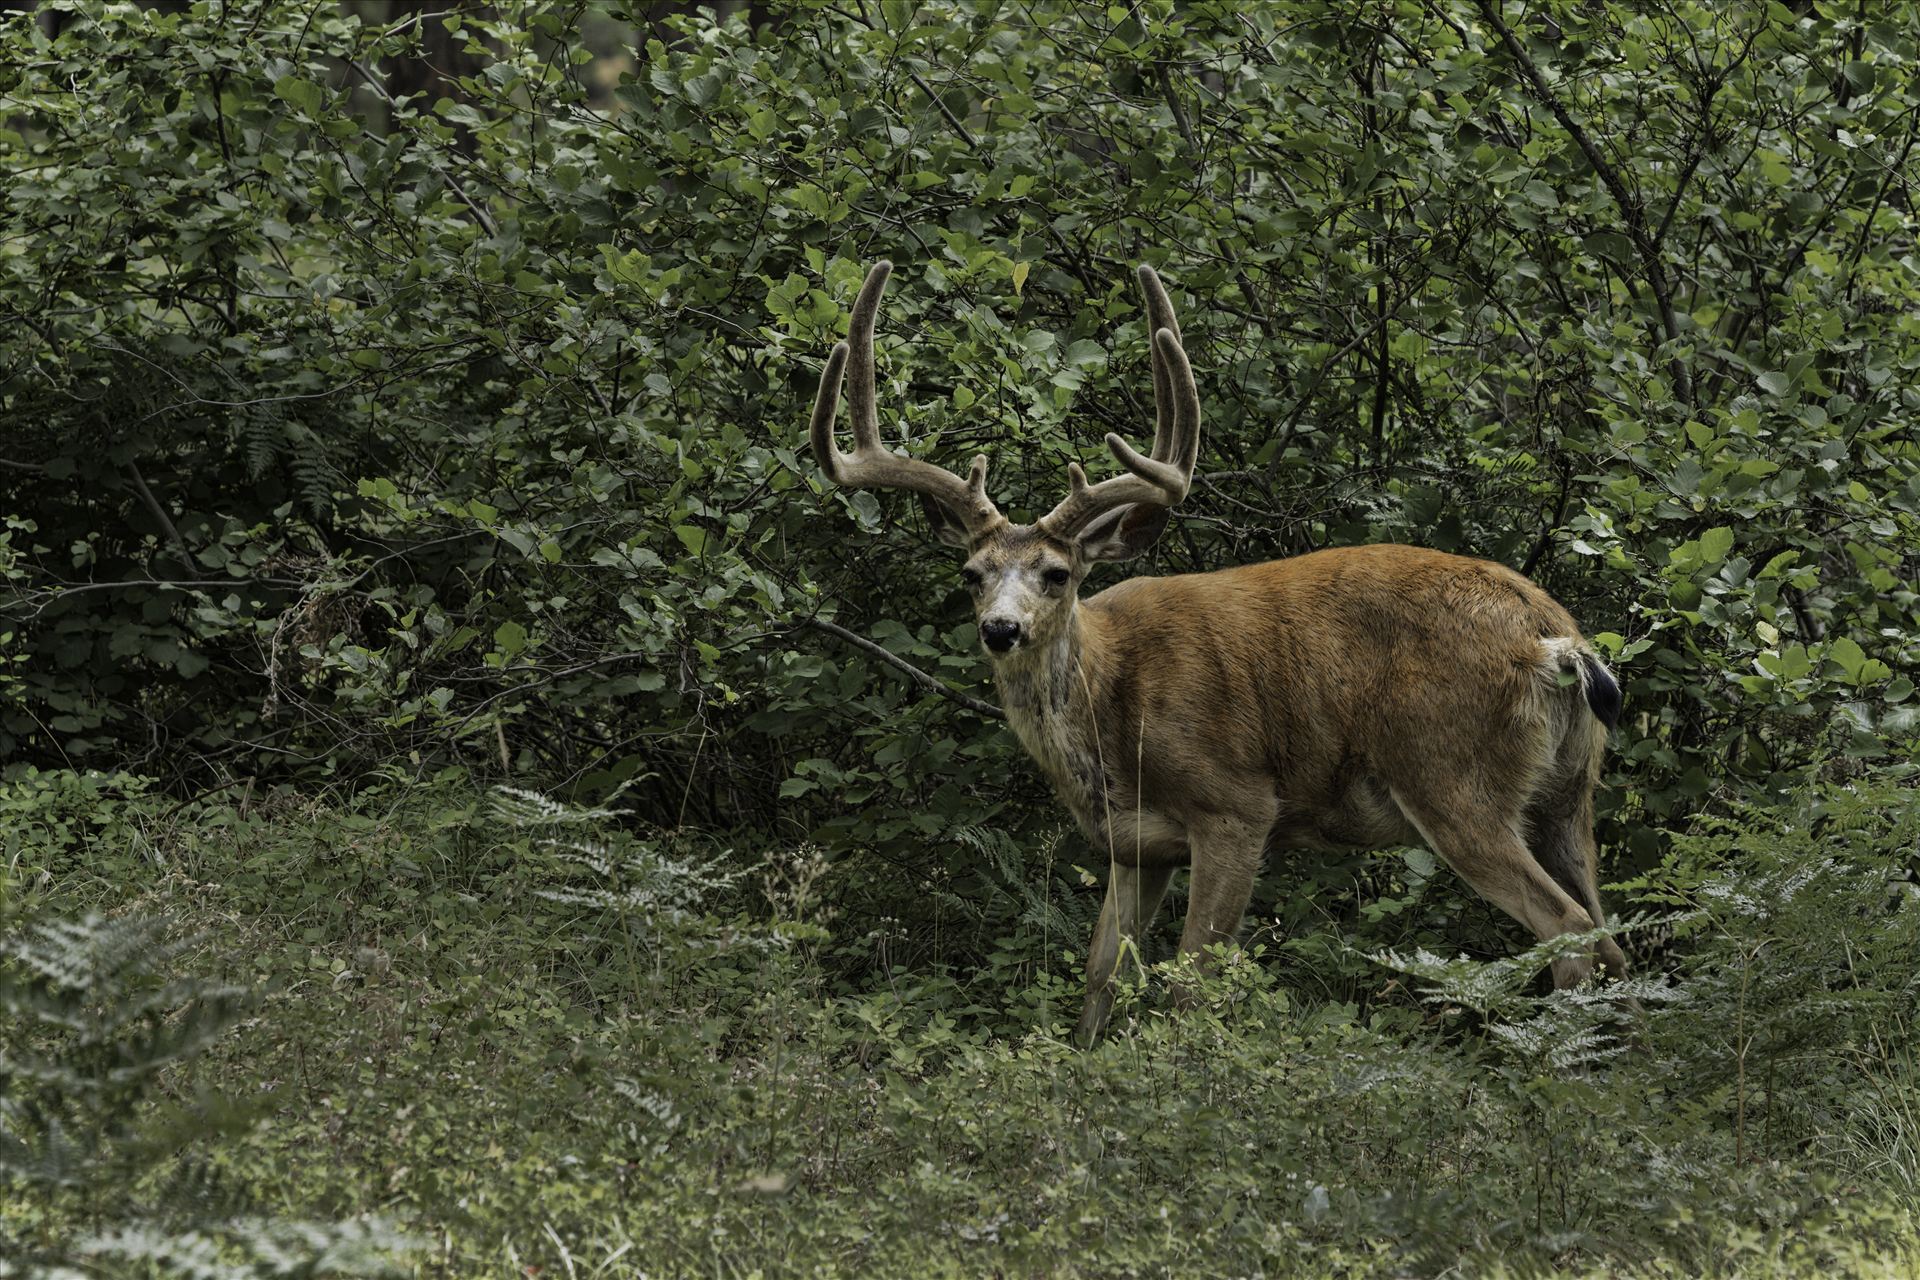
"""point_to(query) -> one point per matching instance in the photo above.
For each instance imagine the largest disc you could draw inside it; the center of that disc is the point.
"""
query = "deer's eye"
(972, 578)
(1056, 577)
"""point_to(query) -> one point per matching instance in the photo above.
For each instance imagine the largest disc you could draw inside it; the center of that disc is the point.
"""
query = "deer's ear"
(947, 526)
(1124, 532)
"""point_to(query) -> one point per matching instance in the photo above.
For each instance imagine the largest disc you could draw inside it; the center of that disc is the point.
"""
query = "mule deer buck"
(1348, 698)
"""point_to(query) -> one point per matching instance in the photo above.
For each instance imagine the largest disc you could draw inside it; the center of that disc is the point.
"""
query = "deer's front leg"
(1133, 895)
(1226, 859)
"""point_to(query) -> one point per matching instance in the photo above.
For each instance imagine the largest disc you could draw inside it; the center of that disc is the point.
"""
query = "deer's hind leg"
(1481, 841)
(1560, 833)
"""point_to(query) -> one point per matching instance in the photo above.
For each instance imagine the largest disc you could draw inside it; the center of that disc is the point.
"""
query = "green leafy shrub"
(357, 424)
(540, 1034)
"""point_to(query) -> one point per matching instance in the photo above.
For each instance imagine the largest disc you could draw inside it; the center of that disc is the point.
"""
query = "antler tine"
(1186, 402)
(860, 392)
(1163, 477)
(1159, 316)
(826, 404)
(872, 465)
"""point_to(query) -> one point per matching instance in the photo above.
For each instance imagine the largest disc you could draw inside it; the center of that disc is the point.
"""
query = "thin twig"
(919, 677)
(1879, 198)
(160, 514)
(953, 121)
(1180, 121)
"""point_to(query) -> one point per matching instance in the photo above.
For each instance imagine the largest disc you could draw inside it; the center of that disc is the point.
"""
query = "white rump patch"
(1565, 718)
(1560, 653)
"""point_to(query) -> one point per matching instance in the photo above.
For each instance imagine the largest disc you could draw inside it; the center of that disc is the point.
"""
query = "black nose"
(999, 634)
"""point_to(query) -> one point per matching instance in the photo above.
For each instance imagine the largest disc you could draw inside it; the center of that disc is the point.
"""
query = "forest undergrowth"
(476, 801)
(481, 1032)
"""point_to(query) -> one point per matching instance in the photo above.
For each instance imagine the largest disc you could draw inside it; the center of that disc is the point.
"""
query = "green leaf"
(302, 95)
(510, 638)
(1847, 652)
(1086, 352)
(1715, 544)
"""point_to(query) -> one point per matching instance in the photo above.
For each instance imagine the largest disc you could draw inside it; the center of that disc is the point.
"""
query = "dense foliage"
(369, 445)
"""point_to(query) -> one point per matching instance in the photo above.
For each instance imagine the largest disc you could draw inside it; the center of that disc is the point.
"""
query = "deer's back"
(1325, 672)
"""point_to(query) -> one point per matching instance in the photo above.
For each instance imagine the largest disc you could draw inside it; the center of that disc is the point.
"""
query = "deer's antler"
(1161, 478)
(872, 465)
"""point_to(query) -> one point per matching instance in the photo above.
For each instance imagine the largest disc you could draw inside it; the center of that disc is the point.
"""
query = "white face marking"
(1022, 593)
(1010, 595)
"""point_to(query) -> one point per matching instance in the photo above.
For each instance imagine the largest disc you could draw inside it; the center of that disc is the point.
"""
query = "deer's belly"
(1360, 816)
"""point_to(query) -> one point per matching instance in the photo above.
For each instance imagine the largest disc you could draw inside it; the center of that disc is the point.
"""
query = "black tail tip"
(1603, 691)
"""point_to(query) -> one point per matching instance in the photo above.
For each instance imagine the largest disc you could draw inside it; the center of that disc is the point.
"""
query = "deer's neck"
(1051, 693)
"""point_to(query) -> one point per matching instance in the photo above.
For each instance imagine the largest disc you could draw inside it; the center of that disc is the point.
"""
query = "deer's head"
(1024, 577)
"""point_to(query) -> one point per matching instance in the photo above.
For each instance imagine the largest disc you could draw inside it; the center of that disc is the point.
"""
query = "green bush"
(467, 425)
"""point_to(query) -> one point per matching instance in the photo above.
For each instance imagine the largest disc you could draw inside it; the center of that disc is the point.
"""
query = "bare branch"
(160, 514)
(919, 677)
(953, 121)
(486, 219)
(1180, 120)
